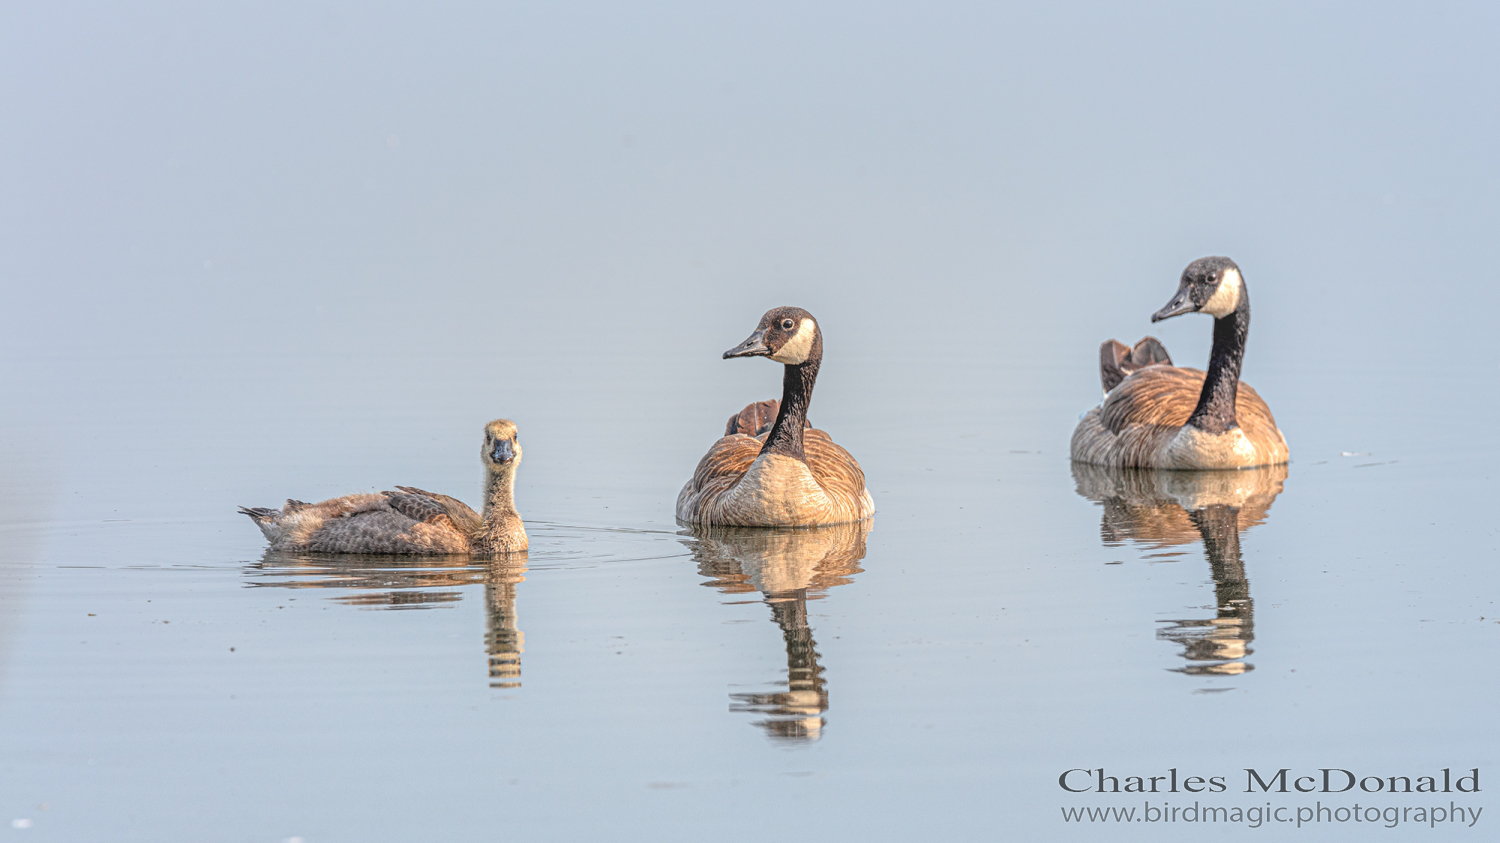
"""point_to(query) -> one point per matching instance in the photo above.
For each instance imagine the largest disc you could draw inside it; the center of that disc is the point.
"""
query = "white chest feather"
(1193, 448)
(777, 490)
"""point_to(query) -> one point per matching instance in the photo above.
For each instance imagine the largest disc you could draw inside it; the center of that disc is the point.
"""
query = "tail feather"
(258, 513)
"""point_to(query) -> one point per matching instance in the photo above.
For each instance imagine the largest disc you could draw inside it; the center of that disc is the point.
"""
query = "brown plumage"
(411, 520)
(836, 473)
(756, 418)
(1118, 361)
(787, 474)
(1139, 420)
(1156, 415)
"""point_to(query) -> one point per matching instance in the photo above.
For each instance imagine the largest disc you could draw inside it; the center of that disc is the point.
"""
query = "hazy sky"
(185, 174)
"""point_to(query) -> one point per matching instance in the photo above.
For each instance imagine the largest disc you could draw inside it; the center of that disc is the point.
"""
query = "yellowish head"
(502, 445)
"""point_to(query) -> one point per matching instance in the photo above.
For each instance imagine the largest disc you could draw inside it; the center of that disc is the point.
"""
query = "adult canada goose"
(1156, 415)
(787, 475)
(409, 521)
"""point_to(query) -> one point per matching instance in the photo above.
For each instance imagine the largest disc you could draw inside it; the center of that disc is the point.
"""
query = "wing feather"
(835, 469)
(461, 514)
(417, 507)
(1141, 415)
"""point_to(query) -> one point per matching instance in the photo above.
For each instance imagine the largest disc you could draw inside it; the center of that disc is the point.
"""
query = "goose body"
(408, 521)
(786, 474)
(1157, 415)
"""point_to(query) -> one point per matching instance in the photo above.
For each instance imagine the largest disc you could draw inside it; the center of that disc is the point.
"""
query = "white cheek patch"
(1227, 297)
(799, 346)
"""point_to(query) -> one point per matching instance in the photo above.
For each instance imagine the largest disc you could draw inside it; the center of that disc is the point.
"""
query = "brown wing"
(462, 516)
(1142, 415)
(417, 507)
(385, 531)
(756, 419)
(1164, 396)
(1149, 352)
(724, 464)
(1158, 396)
(1118, 361)
(1113, 358)
(835, 469)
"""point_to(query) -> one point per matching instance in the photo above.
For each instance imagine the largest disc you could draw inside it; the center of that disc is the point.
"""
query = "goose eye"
(786, 324)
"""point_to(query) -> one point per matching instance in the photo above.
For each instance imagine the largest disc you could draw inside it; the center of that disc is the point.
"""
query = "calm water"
(298, 253)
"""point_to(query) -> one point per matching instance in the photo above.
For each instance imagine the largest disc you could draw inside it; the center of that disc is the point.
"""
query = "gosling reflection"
(414, 582)
(1163, 509)
(789, 568)
(504, 642)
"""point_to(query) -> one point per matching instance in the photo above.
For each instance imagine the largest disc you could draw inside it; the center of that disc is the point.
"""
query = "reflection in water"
(1163, 509)
(789, 567)
(397, 582)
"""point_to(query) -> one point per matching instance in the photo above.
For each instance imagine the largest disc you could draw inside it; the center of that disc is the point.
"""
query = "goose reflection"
(788, 568)
(1164, 509)
(414, 582)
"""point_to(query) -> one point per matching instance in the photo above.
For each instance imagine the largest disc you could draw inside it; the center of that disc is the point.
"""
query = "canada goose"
(787, 475)
(1165, 509)
(788, 568)
(409, 521)
(1156, 415)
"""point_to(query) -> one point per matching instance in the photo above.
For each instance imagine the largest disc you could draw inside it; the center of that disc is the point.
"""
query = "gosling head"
(502, 446)
(1209, 285)
(787, 335)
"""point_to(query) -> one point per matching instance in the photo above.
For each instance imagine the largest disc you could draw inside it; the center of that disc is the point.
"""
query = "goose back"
(736, 485)
(1141, 424)
(386, 523)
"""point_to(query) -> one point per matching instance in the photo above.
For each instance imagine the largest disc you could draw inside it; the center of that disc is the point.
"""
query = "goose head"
(1208, 285)
(502, 446)
(787, 335)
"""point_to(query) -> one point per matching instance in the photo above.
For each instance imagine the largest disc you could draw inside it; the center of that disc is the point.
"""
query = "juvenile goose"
(1156, 415)
(409, 521)
(789, 475)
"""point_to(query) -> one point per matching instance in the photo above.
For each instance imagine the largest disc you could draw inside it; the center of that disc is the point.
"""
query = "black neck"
(785, 437)
(1215, 410)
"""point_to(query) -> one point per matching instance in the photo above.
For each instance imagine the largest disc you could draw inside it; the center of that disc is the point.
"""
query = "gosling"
(409, 521)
